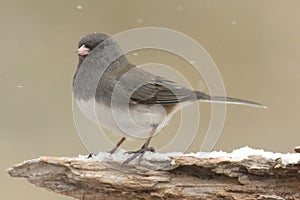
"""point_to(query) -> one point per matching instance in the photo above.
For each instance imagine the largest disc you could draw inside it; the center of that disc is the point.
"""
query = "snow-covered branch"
(242, 174)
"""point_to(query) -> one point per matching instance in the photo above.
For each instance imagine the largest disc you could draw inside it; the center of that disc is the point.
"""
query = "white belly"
(135, 123)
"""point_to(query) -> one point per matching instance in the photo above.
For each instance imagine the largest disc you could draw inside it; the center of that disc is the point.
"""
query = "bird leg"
(140, 153)
(111, 151)
(117, 145)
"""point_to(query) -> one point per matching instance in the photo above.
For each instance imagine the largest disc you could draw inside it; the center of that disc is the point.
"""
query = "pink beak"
(83, 51)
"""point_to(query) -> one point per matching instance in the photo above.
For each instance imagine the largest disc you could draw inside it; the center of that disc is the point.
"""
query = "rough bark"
(180, 178)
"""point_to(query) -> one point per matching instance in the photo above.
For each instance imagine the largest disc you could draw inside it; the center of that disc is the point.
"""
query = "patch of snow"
(245, 152)
(140, 20)
(235, 155)
(79, 7)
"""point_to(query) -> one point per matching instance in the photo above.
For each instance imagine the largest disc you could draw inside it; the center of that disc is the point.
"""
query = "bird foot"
(138, 154)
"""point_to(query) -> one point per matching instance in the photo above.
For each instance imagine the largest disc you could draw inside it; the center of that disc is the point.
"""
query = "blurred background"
(255, 45)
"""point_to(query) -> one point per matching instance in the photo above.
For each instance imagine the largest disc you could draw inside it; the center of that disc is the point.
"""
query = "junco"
(118, 95)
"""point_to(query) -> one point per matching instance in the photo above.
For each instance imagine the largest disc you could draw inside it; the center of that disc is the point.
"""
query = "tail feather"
(228, 100)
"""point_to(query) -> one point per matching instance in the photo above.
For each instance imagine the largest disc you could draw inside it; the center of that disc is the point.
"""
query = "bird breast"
(131, 121)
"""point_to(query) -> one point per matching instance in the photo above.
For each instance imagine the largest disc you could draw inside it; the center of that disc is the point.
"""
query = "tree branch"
(188, 177)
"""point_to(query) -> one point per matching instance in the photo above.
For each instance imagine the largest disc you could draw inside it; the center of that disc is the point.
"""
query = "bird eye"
(88, 46)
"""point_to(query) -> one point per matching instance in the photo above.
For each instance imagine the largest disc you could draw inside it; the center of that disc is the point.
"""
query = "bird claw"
(139, 153)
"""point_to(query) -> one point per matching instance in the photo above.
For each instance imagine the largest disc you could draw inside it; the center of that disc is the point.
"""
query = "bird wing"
(157, 92)
(146, 88)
